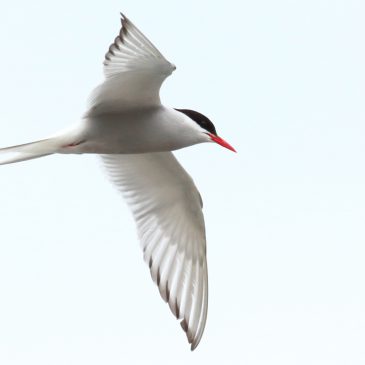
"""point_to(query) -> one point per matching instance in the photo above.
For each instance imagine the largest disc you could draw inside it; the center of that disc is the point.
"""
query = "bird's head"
(207, 127)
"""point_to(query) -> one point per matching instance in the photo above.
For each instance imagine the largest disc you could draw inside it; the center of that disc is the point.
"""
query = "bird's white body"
(134, 134)
(132, 131)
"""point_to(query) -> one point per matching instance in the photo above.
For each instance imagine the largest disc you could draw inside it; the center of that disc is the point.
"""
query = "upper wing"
(134, 72)
(168, 211)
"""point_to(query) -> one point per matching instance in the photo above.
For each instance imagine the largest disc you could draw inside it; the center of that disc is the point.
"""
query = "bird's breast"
(133, 132)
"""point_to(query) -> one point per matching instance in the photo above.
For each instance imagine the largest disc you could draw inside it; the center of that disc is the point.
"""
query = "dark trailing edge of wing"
(123, 31)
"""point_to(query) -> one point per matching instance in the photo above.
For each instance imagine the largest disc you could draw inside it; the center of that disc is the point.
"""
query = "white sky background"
(284, 82)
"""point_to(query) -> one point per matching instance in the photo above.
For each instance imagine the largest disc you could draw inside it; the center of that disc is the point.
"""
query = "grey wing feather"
(167, 209)
(134, 71)
(130, 50)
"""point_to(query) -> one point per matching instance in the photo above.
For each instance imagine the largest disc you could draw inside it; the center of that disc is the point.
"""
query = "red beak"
(221, 141)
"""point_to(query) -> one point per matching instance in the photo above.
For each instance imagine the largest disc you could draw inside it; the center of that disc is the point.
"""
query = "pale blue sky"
(284, 83)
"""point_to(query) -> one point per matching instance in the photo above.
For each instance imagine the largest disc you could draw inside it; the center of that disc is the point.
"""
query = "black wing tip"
(193, 346)
(158, 280)
(124, 21)
(184, 325)
(177, 309)
(192, 338)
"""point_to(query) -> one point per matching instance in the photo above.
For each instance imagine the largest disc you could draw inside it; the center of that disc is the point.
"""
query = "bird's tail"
(29, 151)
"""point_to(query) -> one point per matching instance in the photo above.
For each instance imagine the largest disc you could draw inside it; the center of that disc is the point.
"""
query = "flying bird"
(134, 134)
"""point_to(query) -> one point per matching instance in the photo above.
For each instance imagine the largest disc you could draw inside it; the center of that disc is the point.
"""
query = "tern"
(134, 134)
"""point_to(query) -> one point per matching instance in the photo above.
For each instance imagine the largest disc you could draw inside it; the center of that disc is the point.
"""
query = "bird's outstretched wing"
(168, 211)
(134, 71)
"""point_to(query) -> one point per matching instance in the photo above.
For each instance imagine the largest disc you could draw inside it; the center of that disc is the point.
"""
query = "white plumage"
(167, 209)
(134, 134)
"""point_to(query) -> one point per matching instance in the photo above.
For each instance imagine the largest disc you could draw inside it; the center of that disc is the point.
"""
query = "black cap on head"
(200, 119)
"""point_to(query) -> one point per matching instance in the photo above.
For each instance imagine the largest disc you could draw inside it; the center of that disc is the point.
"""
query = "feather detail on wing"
(168, 212)
(134, 70)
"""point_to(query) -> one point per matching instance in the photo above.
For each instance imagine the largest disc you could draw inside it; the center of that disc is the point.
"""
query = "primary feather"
(167, 209)
(126, 116)
(134, 71)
